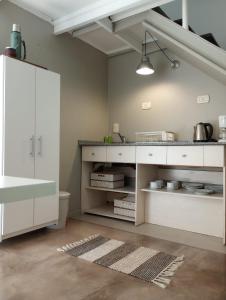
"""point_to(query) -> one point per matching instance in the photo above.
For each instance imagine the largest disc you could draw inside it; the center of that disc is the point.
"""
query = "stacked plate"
(192, 185)
(198, 188)
(217, 188)
(204, 192)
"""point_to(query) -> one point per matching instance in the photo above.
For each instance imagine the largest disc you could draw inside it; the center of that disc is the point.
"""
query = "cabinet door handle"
(120, 154)
(93, 154)
(150, 154)
(40, 146)
(184, 155)
(32, 149)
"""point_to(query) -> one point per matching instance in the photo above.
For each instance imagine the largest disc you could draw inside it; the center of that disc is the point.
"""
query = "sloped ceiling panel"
(104, 41)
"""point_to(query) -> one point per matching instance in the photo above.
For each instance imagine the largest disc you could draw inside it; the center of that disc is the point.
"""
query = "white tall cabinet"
(29, 145)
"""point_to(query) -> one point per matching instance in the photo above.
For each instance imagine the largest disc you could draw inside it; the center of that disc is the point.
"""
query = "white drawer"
(123, 154)
(214, 156)
(185, 155)
(151, 155)
(94, 153)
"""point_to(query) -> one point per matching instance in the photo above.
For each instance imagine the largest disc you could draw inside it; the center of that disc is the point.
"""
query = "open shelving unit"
(183, 192)
(107, 210)
(181, 209)
(99, 201)
(124, 190)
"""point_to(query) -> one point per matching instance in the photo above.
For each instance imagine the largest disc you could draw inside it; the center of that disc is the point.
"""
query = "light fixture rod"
(174, 63)
(155, 51)
(160, 48)
(145, 45)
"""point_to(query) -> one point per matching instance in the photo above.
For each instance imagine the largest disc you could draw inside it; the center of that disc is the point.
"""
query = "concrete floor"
(32, 269)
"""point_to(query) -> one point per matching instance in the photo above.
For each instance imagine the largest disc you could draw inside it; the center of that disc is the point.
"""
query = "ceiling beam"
(130, 41)
(107, 24)
(84, 30)
(121, 50)
(188, 54)
(131, 21)
(125, 37)
(98, 10)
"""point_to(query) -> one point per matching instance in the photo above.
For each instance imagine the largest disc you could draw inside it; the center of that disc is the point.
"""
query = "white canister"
(154, 185)
(172, 185)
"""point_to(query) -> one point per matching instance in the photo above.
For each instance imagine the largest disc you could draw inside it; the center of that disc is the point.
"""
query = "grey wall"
(83, 86)
(172, 93)
(205, 16)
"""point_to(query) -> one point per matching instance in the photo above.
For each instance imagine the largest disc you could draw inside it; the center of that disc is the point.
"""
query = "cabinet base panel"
(10, 235)
(161, 232)
(108, 211)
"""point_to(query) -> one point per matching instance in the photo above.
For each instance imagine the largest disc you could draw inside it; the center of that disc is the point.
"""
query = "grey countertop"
(177, 143)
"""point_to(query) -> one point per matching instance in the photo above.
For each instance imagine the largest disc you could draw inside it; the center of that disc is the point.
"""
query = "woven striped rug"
(143, 263)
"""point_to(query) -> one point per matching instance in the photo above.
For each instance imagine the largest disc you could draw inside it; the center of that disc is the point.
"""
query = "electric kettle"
(203, 132)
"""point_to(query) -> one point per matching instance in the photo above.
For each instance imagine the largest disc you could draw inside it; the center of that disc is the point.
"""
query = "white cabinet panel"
(94, 153)
(214, 156)
(123, 154)
(46, 209)
(17, 216)
(185, 155)
(19, 119)
(151, 155)
(200, 215)
(19, 128)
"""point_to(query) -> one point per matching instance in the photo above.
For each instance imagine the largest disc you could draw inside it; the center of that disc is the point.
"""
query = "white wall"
(172, 94)
(83, 72)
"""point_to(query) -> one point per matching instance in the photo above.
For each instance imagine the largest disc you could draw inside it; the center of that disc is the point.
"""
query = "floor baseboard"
(161, 232)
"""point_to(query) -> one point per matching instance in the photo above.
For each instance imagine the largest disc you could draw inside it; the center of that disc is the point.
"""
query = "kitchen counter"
(181, 161)
(177, 143)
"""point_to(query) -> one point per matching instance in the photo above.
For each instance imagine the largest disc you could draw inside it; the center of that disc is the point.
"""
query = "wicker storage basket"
(107, 184)
(106, 176)
(124, 204)
(124, 212)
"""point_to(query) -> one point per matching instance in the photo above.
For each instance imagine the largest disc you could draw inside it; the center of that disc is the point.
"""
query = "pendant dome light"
(145, 67)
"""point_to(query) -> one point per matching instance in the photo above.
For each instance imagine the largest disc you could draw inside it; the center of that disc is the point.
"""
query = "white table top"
(16, 189)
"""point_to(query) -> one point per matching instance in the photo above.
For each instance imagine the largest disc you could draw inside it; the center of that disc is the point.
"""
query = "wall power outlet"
(146, 105)
(203, 99)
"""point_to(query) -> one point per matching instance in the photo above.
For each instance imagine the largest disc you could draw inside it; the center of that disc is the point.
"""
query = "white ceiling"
(104, 41)
(82, 18)
(54, 9)
(115, 26)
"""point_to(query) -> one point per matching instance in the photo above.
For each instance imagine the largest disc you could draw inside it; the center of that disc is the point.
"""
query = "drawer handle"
(150, 154)
(120, 154)
(184, 155)
(93, 154)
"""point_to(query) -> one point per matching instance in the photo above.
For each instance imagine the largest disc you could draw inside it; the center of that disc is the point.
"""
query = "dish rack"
(155, 136)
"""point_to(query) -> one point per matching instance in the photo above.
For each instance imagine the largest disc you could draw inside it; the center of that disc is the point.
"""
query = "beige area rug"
(144, 263)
